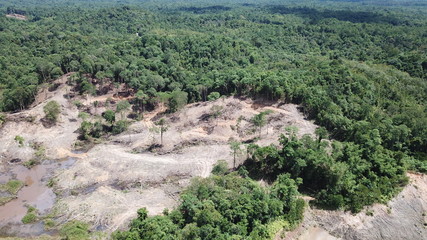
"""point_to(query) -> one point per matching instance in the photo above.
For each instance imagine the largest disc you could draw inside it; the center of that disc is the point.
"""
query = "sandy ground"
(16, 16)
(192, 144)
(57, 139)
(106, 185)
(109, 183)
(404, 217)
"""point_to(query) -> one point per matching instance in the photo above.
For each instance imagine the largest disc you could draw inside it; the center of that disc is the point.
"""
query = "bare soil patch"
(404, 217)
(106, 185)
(17, 16)
(192, 145)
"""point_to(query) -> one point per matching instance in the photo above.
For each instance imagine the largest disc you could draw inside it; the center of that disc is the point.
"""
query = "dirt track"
(106, 185)
(192, 146)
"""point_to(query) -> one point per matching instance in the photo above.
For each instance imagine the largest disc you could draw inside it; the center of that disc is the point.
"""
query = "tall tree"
(235, 150)
(259, 121)
(122, 107)
(163, 127)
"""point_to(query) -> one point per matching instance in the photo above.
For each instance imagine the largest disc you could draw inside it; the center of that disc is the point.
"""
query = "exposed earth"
(404, 217)
(107, 184)
(16, 16)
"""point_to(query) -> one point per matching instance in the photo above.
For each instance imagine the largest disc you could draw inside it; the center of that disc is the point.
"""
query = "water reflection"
(35, 193)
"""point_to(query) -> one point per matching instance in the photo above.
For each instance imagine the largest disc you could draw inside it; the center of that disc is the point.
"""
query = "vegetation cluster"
(358, 70)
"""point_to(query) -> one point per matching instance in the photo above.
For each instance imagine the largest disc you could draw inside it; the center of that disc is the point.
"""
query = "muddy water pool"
(35, 193)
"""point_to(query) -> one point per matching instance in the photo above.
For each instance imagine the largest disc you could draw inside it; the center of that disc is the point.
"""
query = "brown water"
(35, 193)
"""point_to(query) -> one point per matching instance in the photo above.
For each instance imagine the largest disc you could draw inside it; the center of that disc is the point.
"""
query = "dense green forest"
(358, 68)
(211, 209)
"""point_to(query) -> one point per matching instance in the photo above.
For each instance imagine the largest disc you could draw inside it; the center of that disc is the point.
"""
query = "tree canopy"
(358, 70)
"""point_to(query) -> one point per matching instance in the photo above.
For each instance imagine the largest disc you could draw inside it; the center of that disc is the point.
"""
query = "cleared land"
(17, 16)
(106, 185)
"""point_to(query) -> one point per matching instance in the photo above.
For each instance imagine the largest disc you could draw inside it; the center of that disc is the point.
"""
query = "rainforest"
(215, 120)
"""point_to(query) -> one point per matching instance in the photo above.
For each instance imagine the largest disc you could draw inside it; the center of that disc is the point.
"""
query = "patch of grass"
(31, 163)
(31, 209)
(13, 186)
(134, 151)
(30, 119)
(220, 168)
(75, 230)
(40, 150)
(49, 223)
(4, 200)
(51, 182)
(20, 140)
(2, 119)
(276, 226)
(29, 218)
(78, 104)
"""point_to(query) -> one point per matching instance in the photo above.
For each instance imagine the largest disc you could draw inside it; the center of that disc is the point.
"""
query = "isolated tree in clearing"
(109, 116)
(216, 112)
(52, 110)
(163, 127)
(122, 107)
(235, 150)
(259, 122)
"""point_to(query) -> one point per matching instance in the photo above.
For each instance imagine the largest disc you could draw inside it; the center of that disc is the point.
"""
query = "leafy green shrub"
(85, 129)
(83, 115)
(4, 200)
(31, 163)
(219, 207)
(2, 118)
(49, 223)
(220, 168)
(29, 218)
(109, 116)
(120, 126)
(90, 130)
(213, 96)
(75, 230)
(87, 88)
(20, 140)
(122, 107)
(52, 110)
(40, 152)
(13, 186)
(78, 104)
(276, 226)
(177, 100)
